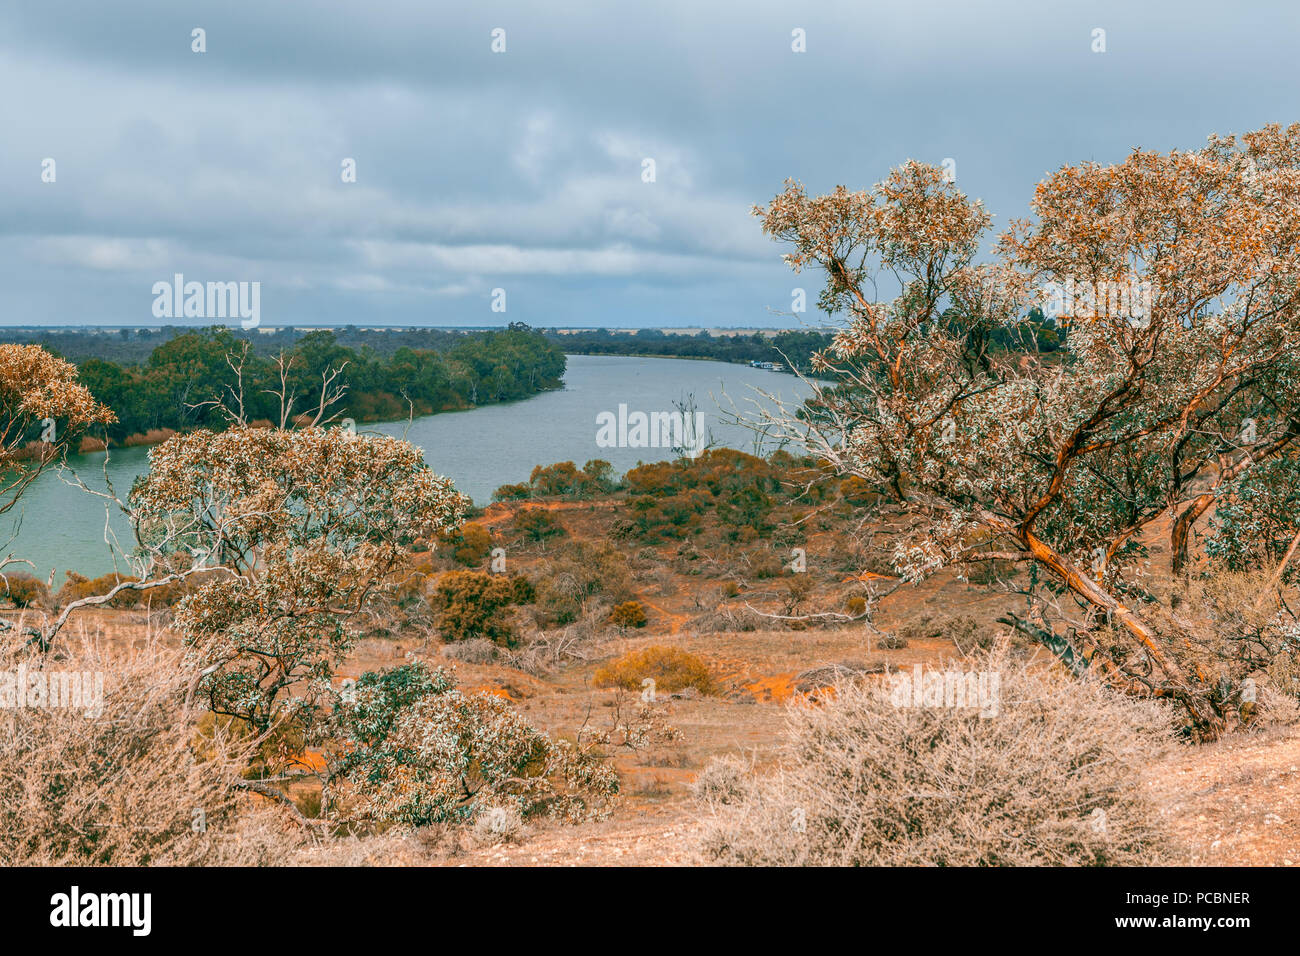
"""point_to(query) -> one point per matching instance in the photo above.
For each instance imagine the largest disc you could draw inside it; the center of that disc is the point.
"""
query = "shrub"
(537, 524)
(891, 642)
(125, 787)
(628, 614)
(476, 650)
(723, 780)
(24, 590)
(470, 604)
(1054, 778)
(602, 473)
(154, 436)
(579, 573)
(562, 479)
(472, 544)
(513, 492)
(966, 633)
(423, 752)
(671, 669)
(499, 824)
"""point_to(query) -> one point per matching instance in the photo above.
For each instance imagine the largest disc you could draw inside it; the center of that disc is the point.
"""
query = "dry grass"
(128, 787)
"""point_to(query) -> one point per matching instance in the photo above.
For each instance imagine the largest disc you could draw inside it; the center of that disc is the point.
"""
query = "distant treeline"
(168, 389)
(132, 346)
(796, 347)
(790, 348)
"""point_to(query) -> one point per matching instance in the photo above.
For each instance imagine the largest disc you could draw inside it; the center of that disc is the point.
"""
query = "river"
(62, 527)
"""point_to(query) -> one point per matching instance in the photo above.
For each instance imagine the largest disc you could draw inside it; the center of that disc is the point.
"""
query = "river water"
(61, 526)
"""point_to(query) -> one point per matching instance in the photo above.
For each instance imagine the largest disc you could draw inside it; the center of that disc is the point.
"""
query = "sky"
(524, 170)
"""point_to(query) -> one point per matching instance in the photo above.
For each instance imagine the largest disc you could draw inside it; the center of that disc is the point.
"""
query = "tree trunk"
(1182, 530)
(1208, 723)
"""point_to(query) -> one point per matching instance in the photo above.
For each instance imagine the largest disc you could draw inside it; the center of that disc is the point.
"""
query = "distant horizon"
(368, 326)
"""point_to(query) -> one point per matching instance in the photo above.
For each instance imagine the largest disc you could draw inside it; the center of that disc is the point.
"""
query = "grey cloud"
(524, 168)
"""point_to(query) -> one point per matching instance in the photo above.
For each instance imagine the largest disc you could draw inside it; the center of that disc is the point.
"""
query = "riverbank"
(58, 526)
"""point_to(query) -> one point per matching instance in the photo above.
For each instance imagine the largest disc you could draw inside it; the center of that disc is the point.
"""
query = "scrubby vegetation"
(472, 604)
(671, 669)
(1054, 779)
(420, 751)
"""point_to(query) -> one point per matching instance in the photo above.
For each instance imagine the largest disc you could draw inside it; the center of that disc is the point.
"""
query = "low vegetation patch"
(1052, 779)
(671, 668)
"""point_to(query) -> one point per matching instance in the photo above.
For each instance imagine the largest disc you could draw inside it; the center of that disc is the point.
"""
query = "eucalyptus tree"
(1175, 278)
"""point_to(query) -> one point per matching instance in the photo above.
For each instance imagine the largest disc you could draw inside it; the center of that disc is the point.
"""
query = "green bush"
(470, 604)
(423, 752)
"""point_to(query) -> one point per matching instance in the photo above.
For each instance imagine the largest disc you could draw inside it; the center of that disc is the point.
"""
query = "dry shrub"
(967, 634)
(126, 788)
(1053, 779)
(22, 589)
(890, 641)
(1235, 623)
(732, 619)
(724, 780)
(501, 823)
(78, 586)
(476, 650)
(628, 614)
(671, 668)
(580, 574)
(154, 436)
(545, 651)
(1278, 708)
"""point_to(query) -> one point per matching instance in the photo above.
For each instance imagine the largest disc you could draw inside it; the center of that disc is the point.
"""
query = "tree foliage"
(1074, 460)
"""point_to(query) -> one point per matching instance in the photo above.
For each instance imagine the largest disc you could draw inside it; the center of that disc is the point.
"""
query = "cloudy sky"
(522, 170)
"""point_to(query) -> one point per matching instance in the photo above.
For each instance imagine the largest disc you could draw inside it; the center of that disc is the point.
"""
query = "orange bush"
(628, 614)
(79, 586)
(671, 669)
(154, 436)
(24, 590)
